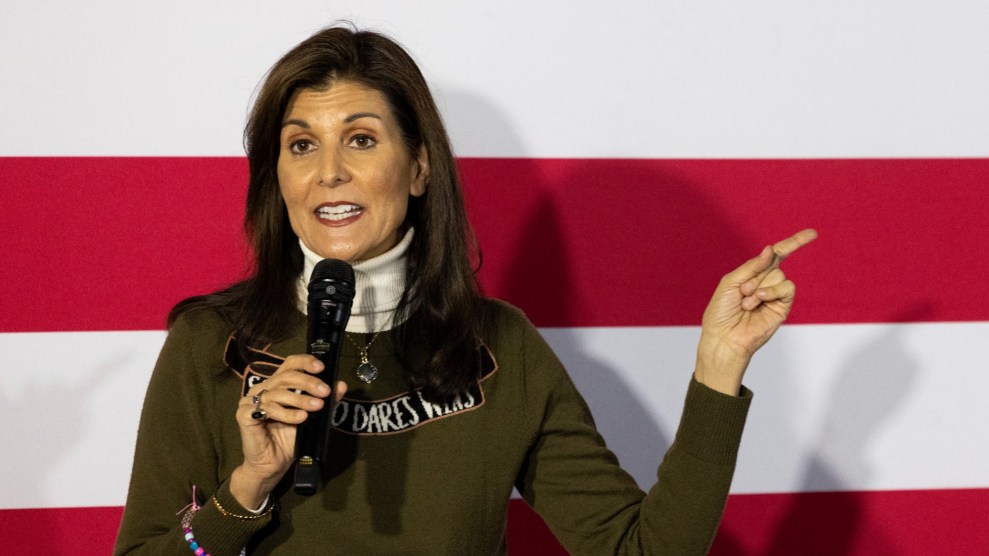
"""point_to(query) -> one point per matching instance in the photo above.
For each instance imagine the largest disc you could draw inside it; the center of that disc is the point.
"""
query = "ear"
(420, 172)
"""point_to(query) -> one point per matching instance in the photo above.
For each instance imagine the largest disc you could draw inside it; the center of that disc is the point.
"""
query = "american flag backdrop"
(618, 158)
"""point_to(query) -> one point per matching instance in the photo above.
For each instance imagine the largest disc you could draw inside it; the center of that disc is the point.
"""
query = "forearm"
(221, 526)
(681, 513)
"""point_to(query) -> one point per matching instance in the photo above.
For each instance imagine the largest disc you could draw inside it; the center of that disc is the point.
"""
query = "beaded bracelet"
(195, 507)
(187, 529)
(193, 545)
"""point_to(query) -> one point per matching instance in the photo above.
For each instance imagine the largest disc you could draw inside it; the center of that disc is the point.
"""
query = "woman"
(450, 399)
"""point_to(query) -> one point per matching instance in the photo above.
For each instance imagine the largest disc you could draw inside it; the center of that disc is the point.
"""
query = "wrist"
(720, 366)
(249, 490)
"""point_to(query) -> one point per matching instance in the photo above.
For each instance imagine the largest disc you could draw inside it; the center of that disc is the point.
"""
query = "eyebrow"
(305, 125)
(301, 123)
(360, 115)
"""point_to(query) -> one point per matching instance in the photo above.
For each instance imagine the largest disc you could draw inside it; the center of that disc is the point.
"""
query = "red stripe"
(906, 523)
(643, 242)
(112, 243)
(76, 531)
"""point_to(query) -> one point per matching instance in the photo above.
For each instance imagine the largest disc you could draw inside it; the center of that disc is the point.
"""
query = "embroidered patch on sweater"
(259, 365)
(366, 417)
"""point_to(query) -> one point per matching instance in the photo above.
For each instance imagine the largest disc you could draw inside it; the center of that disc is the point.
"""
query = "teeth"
(338, 212)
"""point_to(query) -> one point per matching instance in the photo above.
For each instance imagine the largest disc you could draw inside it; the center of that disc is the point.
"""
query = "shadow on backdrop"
(538, 274)
(864, 398)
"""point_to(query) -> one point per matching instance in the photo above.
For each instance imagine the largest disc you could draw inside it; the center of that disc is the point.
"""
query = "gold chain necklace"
(366, 371)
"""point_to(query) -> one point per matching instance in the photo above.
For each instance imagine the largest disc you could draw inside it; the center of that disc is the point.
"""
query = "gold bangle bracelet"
(271, 506)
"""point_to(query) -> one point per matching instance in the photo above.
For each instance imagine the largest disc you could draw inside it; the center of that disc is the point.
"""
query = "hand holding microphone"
(331, 296)
(296, 400)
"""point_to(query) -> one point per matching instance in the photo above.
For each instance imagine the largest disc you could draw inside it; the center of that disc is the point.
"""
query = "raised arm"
(748, 306)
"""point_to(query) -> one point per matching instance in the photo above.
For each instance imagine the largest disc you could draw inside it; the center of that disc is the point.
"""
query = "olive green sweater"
(408, 477)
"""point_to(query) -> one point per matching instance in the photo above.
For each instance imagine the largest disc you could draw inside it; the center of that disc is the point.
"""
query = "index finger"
(785, 248)
(302, 362)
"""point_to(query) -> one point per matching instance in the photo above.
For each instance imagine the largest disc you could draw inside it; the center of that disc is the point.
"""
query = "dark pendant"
(367, 373)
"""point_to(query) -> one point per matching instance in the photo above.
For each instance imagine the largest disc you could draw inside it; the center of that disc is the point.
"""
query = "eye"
(362, 141)
(302, 146)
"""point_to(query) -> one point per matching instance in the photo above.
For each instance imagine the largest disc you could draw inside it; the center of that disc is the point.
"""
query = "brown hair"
(442, 302)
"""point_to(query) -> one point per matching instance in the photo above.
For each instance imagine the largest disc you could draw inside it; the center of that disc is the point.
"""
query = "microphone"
(331, 295)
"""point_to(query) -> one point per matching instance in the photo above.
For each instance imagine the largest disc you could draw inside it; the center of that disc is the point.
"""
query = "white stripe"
(849, 407)
(533, 79)
(837, 407)
(75, 399)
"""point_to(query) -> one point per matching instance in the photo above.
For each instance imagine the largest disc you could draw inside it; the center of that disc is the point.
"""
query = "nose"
(332, 167)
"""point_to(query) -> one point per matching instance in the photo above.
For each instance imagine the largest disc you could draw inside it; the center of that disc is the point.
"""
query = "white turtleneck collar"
(380, 284)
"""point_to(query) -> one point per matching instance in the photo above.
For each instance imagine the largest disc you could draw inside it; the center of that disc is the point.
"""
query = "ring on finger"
(258, 413)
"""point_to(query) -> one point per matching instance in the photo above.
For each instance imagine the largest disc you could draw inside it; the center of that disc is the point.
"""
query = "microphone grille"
(333, 269)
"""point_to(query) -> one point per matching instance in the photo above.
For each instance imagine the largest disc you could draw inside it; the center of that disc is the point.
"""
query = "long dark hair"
(442, 303)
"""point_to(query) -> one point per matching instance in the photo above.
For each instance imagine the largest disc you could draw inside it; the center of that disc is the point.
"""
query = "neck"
(380, 282)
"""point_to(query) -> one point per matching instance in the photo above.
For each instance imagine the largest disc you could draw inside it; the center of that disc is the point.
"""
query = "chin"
(343, 253)
(345, 256)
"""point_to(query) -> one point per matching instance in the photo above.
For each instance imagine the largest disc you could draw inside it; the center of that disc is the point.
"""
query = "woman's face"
(345, 172)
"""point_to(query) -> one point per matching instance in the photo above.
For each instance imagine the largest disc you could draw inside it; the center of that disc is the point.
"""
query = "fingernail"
(323, 389)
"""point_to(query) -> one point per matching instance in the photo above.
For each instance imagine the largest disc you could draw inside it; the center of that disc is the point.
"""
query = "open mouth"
(338, 212)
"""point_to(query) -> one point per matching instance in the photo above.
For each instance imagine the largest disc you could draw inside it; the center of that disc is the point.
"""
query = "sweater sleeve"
(177, 450)
(593, 506)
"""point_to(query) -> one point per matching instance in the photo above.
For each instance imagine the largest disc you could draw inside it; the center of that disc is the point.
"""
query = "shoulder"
(506, 324)
(198, 336)
(529, 364)
(502, 313)
(512, 337)
(199, 321)
(222, 302)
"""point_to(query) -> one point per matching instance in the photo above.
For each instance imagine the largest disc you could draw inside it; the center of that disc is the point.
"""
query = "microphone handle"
(325, 339)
